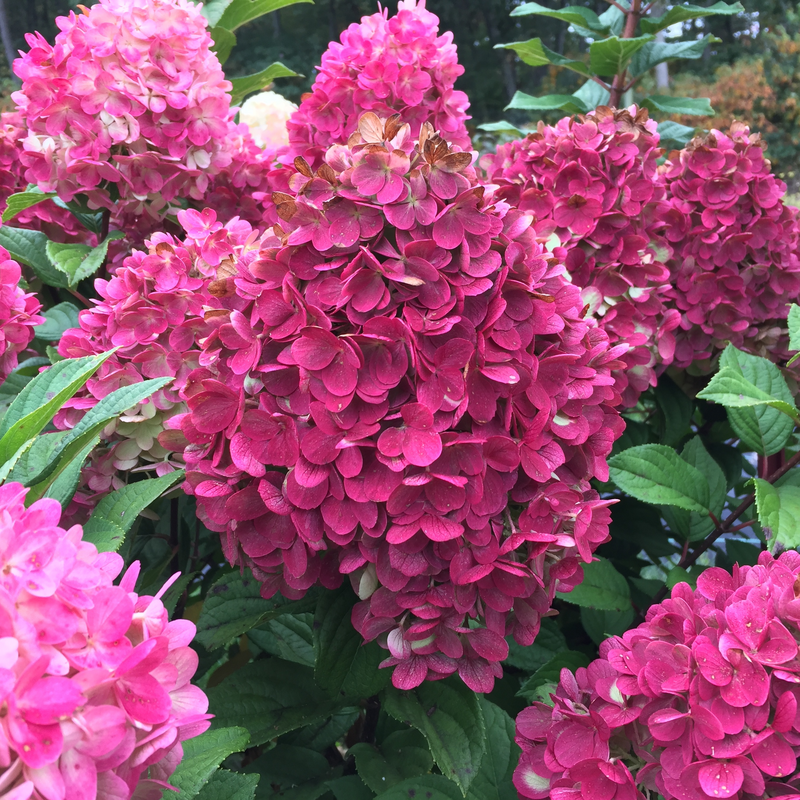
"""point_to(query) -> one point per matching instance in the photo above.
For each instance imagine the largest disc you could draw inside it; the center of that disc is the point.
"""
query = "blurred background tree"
(753, 74)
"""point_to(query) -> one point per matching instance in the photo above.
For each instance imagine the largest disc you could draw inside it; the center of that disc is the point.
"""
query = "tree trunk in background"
(5, 35)
(662, 69)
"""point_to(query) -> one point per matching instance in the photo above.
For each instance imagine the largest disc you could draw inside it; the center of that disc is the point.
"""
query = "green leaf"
(269, 697)
(201, 757)
(676, 411)
(449, 716)
(345, 666)
(402, 755)
(602, 587)
(240, 11)
(225, 785)
(656, 474)
(255, 83)
(91, 219)
(611, 56)
(79, 261)
(39, 401)
(289, 637)
(22, 375)
(536, 687)
(224, 42)
(682, 13)
(549, 102)
(793, 321)
(291, 773)
(549, 642)
(698, 106)
(22, 200)
(574, 15)
(349, 787)
(429, 787)
(731, 389)
(779, 514)
(501, 127)
(326, 733)
(109, 408)
(762, 428)
(58, 319)
(536, 54)
(679, 575)
(613, 19)
(116, 512)
(695, 453)
(234, 605)
(658, 52)
(213, 10)
(591, 95)
(674, 136)
(30, 248)
(602, 624)
(494, 779)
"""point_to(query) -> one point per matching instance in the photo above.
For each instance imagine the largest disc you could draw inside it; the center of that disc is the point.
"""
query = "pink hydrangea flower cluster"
(19, 313)
(57, 223)
(594, 182)
(94, 680)
(699, 702)
(736, 265)
(398, 65)
(130, 102)
(152, 311)
(401, 388)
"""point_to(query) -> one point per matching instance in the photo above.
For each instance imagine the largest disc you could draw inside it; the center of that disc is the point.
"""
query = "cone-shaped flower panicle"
(400, 387)
(94, 679)
(736, 266)
(593, 181)
(697, 703)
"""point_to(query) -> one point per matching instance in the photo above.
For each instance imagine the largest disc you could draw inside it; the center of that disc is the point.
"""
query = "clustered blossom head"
(152, 311)
(266, 115)
(57, 223)
(736, 265)
(400, 387)
(19, 313)
(94, 680)
(398, 65)
(699, 702)
(594, 182)
(131, 101)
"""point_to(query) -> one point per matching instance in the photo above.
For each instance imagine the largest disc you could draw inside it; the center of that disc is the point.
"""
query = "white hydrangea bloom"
(266, 115)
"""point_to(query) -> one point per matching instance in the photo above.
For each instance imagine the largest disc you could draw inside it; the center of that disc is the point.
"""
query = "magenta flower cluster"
(398, 65)
(699, 702)
(594, 182)
(94, 679)
(19, 313)
(736, 265)
(130, 102)
(401, 387)
(152, 311)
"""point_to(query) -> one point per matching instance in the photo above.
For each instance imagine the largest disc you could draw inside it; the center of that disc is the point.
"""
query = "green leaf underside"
(535, 54)
(688, 11)
(779, 514)
(58, 319)
(697, 106)
(258, 81)
(238, 12)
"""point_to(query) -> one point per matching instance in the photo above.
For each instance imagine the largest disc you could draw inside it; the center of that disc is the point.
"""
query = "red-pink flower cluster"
(94, 680)
(736, 265)
(152, 311)
(400, 387)
(594, 182)
(398, 65)
(130, 102)
(699, 702)
(19, 313)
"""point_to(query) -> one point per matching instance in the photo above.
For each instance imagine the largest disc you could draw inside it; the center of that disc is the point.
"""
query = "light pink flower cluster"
(19, 313)
(594, 182)
(699, 702)
(131, 102)
(94, 680)
(736, 265)
(400, 387)
(57, 223)
(398, 65)
(152, 311)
